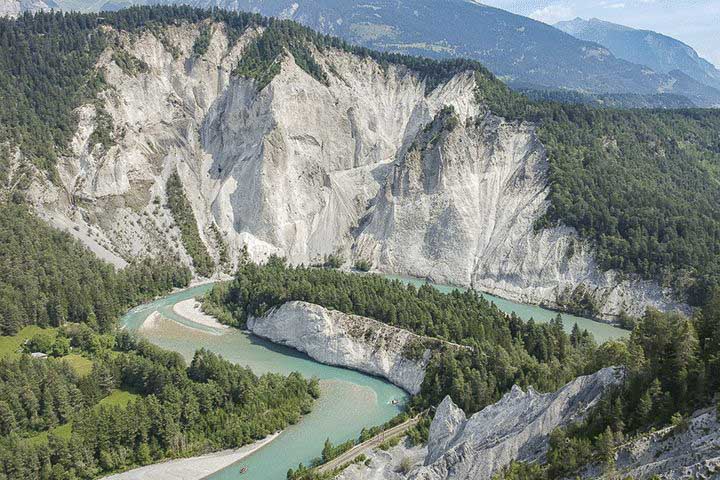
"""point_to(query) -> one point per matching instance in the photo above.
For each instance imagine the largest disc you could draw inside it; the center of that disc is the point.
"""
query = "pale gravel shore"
(190, 310)
(151, 321)
(194, 468)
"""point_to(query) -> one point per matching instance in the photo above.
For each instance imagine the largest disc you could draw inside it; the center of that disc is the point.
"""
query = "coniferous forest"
(672, 362)
(641, 185)
(135, 403)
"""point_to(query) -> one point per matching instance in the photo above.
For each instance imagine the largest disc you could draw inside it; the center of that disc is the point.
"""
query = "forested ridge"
(49, 279)
(505, 351)
(672, 362)
(177, 410)
(185, 219)
(643, 186)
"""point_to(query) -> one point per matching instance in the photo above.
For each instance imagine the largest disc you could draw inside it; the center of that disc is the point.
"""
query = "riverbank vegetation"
(505, 350)
(672, 362)
(49, 279)
(56, 424)
(102, 400)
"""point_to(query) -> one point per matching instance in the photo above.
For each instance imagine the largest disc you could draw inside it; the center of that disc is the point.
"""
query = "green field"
(118, 398)
(10, 346)
(81, 365)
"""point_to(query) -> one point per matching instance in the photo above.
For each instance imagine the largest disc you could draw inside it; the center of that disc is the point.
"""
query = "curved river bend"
(350, 400)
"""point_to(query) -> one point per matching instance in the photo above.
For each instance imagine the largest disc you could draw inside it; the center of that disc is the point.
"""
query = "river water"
(349, 400)
(601, 331)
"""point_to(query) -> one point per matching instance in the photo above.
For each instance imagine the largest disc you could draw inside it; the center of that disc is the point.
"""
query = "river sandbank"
(191, 310)
(151, 321)
(194, 468)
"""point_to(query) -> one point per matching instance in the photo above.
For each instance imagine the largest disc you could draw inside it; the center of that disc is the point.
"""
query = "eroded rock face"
(688, 452)
(460, 209)
(365, 165)
(515, 428)
(352, 341)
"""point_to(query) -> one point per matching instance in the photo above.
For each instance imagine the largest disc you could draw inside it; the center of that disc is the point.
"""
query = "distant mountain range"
(523, 52)
(661, 53)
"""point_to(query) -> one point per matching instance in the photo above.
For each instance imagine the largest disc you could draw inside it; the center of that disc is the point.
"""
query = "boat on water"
(243, 470)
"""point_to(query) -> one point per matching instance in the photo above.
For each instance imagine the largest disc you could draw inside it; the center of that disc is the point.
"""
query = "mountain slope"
(516, 428)
(289, 142)
(661, 53)
(518, 49)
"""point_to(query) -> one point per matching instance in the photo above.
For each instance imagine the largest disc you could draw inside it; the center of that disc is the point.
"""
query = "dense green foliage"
(185, 220)
(262, 57)
(672, 368)
(505, 349)
(129, 64)
(48, 279)
(210, 405)
(202, 42)
(642, 185)
(45, 72)
(608, 100)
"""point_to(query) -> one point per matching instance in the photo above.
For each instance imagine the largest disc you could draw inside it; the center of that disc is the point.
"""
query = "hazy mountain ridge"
(516, 48)
(301, 168)
(660, 52)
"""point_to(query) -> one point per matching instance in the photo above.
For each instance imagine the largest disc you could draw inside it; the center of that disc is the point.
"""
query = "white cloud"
(553, 13)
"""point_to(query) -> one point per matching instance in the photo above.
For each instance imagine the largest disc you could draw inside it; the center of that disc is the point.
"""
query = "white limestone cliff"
(305, 169)
(352, 341)
(689, 451)
(460, 208)
(515, 428)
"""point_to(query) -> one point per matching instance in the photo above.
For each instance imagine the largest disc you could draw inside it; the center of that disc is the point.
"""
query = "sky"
(695, 22)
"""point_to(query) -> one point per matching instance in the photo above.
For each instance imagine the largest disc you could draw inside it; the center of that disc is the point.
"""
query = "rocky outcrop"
(688, 451)
(515, 428)
(371, 164)
(351, 341)
(460, 208)
(390, 464)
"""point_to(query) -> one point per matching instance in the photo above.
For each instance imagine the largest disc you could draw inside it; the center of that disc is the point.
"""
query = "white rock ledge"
(351, 341)
(515, 428)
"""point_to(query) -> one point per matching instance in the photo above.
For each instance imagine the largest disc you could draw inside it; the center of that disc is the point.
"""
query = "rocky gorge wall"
(515, 428)
(365, 165)
(351, 341)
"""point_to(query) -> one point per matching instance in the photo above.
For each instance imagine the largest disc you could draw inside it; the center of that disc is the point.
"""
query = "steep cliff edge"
(361, 164)
(691, 450)
(352, 341)
(515, 428)
(460, 208)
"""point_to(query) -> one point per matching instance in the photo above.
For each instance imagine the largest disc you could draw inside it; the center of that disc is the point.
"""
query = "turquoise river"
(349, 400)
